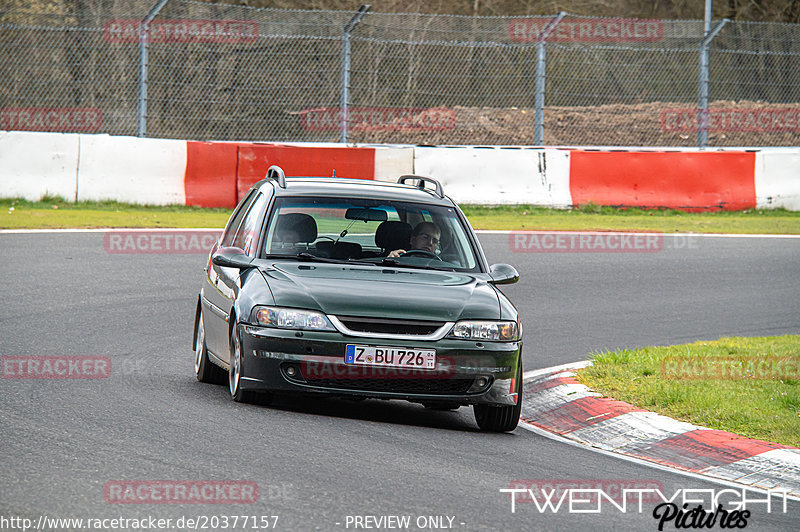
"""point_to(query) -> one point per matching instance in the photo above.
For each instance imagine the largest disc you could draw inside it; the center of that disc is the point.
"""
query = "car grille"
(388, 326)
(415, 386)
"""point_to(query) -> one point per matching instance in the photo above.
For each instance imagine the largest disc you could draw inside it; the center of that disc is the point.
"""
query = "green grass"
(53, 212)
(733, 384)
(59, 213)
(597, 218)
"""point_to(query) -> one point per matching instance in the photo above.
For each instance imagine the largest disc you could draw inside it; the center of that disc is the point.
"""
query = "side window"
(236, 219)
(247, 236)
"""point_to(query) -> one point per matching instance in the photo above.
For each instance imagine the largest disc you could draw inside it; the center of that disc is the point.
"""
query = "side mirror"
(231, 257)
(503, 274)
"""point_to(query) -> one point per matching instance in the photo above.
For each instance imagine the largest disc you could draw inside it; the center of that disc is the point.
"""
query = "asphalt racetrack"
(336, 464)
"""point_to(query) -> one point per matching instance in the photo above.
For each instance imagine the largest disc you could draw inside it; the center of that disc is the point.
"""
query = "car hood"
(373, 291)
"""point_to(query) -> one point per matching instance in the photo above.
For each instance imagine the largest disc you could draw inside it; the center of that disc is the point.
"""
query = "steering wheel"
(421, 253)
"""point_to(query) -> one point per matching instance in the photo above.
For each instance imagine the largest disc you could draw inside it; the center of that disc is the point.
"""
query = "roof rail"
(275, 173)
(421, 182)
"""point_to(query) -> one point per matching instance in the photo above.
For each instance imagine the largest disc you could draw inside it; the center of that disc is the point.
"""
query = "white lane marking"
(479, 231)
(678, 234)
(572, 365)
(113, 230)
(646, 463)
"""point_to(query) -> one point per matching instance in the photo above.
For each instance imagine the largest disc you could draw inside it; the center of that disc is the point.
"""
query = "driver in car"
(425, 237)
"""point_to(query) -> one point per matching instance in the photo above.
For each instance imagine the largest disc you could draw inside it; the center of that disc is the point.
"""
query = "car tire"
(235, 372)
(204, 369)
(502, 418)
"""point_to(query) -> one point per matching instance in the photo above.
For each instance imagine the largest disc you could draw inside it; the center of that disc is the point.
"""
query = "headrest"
(304, 225)
(393, 235)
(339, 250)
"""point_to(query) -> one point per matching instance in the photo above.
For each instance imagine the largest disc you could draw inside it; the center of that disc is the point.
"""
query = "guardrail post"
(144, 37)
(541, 63)
(345, 101)
(703, 82)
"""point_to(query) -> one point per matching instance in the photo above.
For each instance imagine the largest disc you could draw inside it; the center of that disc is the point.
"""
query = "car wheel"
(235, 371)
(501, 418)
(204, 369)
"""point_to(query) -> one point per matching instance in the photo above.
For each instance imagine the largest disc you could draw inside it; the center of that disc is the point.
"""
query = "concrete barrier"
(132, 170)
(777, 179)
(33, 165)
(217, 174)
(392, 162)
(210, 179)
(499, 175)
(690, 180)
(345, 161)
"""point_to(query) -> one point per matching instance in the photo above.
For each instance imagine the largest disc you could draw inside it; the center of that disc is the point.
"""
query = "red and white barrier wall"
(216, 174)
(725, 179)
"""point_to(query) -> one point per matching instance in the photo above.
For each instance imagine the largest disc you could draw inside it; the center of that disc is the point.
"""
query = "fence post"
(541, 63)
(144, 37)
(703, 82)
(345, 101)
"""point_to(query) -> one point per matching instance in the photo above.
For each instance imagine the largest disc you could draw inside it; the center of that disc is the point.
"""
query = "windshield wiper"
(300, 256)
(305, 256)
(386, 261)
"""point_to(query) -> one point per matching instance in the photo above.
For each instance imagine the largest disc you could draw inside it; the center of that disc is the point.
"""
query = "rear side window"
(236, 219)
(247, 235)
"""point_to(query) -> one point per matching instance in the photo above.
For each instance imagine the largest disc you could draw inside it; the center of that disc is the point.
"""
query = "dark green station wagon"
(360, 289)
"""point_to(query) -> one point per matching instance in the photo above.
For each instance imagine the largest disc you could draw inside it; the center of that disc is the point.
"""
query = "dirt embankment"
(644, 124)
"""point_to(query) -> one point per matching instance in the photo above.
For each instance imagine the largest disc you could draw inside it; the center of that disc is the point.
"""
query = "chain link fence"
(229, 72)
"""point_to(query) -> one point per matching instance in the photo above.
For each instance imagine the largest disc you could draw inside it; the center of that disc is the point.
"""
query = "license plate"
(396, 357)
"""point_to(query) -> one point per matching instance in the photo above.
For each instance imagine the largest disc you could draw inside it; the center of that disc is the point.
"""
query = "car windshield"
(382, 232)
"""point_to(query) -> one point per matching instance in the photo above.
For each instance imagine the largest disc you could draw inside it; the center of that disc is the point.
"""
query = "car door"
(220, 284)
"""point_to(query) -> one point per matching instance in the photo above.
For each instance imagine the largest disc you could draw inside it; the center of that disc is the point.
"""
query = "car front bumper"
(467, 372)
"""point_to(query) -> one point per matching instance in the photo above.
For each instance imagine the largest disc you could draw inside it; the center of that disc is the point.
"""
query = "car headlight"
(497, 331)
(289, 318)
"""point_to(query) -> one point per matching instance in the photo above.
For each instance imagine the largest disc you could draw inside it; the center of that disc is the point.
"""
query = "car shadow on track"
(397, 412)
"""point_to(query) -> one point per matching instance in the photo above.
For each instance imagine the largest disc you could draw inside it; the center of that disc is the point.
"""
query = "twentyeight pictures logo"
(678, 509)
